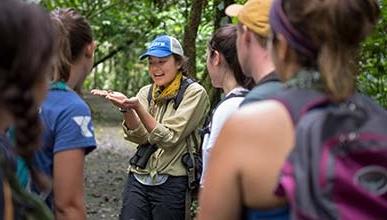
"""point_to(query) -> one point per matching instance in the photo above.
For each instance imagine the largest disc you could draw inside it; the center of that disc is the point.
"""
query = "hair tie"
(280, 24)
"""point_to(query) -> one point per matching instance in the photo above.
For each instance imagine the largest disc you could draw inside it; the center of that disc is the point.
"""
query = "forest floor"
(106, 167)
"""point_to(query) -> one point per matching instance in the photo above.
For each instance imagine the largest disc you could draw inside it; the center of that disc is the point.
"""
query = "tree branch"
(112, 53)
(103, 10)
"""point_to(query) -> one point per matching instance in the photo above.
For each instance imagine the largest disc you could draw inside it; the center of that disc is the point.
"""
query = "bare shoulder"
(251, 129)
(261, 119)
(252, 147)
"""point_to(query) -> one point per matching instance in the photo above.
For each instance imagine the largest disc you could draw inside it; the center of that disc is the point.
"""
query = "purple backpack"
(338, 167)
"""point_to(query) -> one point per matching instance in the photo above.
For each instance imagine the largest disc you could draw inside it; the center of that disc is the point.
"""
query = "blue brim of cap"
(156, 53)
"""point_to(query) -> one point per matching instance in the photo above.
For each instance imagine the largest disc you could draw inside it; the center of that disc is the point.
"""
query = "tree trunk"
(220, 17)
(190, 33)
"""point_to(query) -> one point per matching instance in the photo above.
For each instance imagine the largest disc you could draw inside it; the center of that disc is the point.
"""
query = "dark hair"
(337, 27)
(26, 48)
(224, 41)
(183, 60)
(73, 33)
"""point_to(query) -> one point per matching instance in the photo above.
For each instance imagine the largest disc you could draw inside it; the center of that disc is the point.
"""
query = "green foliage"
(123, 29)
(373, 62)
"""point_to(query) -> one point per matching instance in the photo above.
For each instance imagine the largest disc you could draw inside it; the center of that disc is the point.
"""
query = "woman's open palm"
(117, 98)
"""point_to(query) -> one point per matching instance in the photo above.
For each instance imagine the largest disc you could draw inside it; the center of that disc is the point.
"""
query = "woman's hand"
(117, 98)
(132, 103)
(100, 92)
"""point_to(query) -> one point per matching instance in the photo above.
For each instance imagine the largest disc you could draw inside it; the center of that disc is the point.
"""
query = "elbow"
(72, 209)
(164, 140)
(165, 146)
(165, 143)
(138, 140)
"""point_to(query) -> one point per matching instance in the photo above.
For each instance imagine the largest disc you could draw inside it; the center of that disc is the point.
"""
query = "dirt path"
(106, 167)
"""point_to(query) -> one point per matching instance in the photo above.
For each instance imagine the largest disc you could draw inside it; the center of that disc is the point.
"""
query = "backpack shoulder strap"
(241, 93)
(180, 94)
(299, 101)
(207, 122)
(262, 91)
(149, 97)
(237, 94)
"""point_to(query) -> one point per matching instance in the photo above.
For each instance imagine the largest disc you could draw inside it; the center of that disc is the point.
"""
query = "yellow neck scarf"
(168, 92)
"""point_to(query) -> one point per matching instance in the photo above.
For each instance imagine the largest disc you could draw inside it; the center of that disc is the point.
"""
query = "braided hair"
(26, 48)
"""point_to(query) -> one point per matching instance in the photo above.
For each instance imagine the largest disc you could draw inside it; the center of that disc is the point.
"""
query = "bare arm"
(245, 162)
(68, 184)
(147, 119)
(131, 119)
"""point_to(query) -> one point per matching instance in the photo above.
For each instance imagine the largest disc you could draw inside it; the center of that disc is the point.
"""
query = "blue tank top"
(272, 214)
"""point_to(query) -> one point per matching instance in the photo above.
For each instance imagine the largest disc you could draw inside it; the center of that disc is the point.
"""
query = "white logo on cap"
(158, 44)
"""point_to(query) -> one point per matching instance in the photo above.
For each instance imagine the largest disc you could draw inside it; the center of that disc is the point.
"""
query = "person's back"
(338, 164)
(253, 32)
(252, 174)
(58, 106)
(68, 134)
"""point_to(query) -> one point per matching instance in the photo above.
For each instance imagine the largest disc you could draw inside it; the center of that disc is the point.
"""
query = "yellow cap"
(254, 14)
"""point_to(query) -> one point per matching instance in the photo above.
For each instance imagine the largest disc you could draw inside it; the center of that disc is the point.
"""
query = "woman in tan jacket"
(163, 119)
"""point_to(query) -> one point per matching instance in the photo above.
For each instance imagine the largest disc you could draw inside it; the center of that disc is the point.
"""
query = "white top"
(221, 114)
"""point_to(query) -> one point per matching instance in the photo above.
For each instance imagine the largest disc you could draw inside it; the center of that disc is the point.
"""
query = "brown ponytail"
(337, 27)
(73, 33)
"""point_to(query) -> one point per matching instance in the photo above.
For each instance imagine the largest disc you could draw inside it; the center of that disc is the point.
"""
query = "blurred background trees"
(373, 61)
(122, 29)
